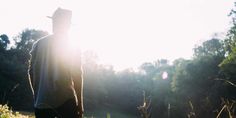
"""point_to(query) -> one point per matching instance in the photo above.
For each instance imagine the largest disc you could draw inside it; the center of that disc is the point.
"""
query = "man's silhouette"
(55, 72)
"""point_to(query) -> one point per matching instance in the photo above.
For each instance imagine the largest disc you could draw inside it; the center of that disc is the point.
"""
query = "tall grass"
(145, 109)
(228, 107)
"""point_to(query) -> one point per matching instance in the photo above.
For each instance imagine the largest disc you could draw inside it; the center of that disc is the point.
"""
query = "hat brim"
(49, 17)
(52, 18)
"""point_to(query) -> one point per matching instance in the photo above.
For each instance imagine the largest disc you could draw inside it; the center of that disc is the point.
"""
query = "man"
(55, 72)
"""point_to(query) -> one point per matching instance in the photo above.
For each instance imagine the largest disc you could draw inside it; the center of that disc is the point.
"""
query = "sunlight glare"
(73, 43)
(66, 50)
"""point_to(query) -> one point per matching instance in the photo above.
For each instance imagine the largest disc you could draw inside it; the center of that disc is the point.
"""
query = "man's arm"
(30, 68)
(77, 75)
(78, 84)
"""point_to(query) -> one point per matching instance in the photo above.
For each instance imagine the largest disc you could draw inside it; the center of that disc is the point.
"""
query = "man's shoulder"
(41, 42)
(44, 39)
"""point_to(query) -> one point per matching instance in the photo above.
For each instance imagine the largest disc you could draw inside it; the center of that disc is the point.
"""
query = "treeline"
(198, 87)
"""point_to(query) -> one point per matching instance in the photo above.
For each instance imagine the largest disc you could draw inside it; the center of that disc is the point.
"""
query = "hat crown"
(62, 14)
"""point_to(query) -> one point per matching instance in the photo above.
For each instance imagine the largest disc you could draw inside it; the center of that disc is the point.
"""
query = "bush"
(5, 112)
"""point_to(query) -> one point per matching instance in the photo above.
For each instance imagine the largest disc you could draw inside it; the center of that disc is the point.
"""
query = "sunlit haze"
(126, 33)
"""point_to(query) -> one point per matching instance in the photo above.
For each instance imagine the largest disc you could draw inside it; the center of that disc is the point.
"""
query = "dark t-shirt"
(52, 65)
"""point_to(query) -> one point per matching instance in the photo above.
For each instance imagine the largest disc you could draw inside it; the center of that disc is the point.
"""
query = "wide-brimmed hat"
(61, 14)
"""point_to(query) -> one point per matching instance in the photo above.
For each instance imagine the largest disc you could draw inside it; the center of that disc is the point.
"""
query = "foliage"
(193, 87)
(13, 69)
(5, 112)
(192, 80)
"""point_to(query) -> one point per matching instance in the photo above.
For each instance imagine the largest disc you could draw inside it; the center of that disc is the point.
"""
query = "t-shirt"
(50, 72)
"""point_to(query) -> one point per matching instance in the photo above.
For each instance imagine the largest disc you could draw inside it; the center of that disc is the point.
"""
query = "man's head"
(61, 21)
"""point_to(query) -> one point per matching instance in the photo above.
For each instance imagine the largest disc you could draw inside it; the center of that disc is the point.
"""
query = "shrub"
(6, 112)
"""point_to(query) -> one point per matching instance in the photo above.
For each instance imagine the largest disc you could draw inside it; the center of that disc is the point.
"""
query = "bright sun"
(126, 33)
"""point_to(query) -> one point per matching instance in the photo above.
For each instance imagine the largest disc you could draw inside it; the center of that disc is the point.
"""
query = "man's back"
(50, 74)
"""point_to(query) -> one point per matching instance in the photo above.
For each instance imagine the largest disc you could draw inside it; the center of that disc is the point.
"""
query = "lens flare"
(164, 75)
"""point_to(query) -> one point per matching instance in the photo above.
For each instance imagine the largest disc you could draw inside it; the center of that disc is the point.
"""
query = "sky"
(126, 33)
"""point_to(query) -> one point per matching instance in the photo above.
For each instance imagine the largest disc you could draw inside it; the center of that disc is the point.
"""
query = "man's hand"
(81, 111)
(80, 115)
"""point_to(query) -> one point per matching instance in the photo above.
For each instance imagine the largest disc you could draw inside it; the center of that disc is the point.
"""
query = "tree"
(227, 66)
(4, 41)
(195, 80)
(14, 84)
(213, 47)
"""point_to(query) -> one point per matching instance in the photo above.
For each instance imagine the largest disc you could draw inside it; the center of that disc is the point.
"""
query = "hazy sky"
(126, 33)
